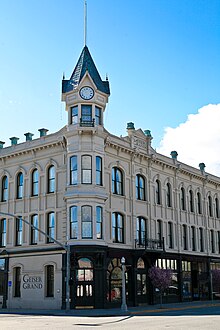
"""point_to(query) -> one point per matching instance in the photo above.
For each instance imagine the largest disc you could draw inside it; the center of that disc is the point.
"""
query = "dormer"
(85, 93)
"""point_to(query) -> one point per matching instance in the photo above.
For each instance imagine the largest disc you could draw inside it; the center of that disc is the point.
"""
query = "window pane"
(51, 179)
(74, 115)
(73, 170)
(86, 222)
(73, 222)
(35, 183)
(98, 222)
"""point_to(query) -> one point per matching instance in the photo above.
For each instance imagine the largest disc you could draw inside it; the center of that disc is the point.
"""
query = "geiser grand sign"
(32, 282)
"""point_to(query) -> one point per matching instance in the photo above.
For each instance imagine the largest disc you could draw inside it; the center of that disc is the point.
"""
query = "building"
(107, 197)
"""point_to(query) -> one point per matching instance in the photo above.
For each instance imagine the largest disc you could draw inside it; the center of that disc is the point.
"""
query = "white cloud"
(197, 140)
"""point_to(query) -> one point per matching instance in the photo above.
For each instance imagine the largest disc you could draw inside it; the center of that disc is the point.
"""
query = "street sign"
(9, 283)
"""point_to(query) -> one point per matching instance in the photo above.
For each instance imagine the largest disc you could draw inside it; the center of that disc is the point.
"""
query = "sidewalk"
(140, 310)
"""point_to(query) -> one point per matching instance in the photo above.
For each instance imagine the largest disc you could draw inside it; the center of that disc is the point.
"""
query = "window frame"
(117, 181)
(86, 172)
(98, 118)
(141, 230)
(86, 221)
(5, 185)
(183, 199)
(191, 201)
(50, 227)
(185, 236)
(201, 239)
(169, 195)
(118, 228)
(3, 232)
(17, 282)
(199, 203)
(51, 179)
(73, 170)
(74, 226)
(140, 188)
(98, 170)
(49, 280)
(20, 185)
(74, 117)
(217, 207)
(210, 209)
(35, 182)
(99, 222)
(86, 117)
(158, 192)
(170, 235)
(34, 232)
(193, 237)
(19, 231)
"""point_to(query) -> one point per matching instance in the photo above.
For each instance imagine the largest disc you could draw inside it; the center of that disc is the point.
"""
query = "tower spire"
(85, 23)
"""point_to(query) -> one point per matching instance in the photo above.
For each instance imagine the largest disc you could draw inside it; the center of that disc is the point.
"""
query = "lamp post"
(66, 247)
(124, 307)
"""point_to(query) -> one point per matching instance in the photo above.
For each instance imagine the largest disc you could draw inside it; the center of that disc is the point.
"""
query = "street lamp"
(124, 307)
(66, 247)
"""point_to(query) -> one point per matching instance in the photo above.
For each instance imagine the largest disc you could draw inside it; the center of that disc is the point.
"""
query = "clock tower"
(85, 94)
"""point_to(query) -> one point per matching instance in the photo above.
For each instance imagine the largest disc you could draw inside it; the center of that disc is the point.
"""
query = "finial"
(63, 75)
(85, 23)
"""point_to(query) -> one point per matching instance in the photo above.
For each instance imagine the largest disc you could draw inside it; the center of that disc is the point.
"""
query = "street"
(201, 318)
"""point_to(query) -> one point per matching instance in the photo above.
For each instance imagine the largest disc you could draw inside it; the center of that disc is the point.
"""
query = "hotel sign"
(32, 282)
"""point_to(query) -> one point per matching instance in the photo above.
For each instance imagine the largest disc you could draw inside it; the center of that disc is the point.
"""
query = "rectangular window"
(50, 281)
(73, 170)
(86, 221)
(98, 118)
(193, 238)
(184, 237)
(86, 113)
(4, 189)
(34, 232)
(18, 240)
(86, 169)
(212, 238)
(98, 170)
(201, 239)
(3, 233)
(50, 227)
(99, 217)
(170, 235)
(74, 115)
(73, 222)
(17, 282)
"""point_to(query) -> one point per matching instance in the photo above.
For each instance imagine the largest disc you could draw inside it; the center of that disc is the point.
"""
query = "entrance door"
(84, 284)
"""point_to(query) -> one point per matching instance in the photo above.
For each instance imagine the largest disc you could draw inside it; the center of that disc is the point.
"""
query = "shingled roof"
(85, 63)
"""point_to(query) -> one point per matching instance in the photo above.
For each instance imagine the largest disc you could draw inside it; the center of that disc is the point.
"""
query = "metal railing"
(87, 123)
(150, 244)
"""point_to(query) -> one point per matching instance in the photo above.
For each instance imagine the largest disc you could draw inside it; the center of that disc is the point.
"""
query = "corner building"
(108, 197)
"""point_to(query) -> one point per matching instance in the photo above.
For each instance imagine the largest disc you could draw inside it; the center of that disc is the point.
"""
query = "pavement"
(140, 310)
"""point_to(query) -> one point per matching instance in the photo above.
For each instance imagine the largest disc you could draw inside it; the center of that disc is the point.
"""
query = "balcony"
(87, 123)
(153, 245)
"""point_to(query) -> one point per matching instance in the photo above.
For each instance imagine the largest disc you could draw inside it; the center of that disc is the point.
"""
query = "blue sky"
(162, 58)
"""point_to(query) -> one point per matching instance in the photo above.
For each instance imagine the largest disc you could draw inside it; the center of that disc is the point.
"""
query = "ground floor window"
(17, 282)
(114, 281)
(49, 281)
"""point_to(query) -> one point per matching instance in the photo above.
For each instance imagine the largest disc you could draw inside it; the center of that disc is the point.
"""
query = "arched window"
(183, 199)
(158, 192)
(140, 263)
(86, 211)
(217, 207)
(191, 201)
(114, 281)
(117, 227)
(4, 188)
(140, 187)
(49, 280)
(210, 205)
(169, 200)
(51, 179)
(199, 203)
(141, 231)
(20, 184)
(73, 222)
(35, 182)
(117, 181)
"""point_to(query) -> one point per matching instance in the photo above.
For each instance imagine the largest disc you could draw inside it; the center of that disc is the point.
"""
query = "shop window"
(50, 227)
(86, 169)
(34, 231)
(5, 189)
(17, 281)
(99, 222)
(141, 231)
(191, 201)
(199, 203)
(2, 232)
(114, 281)
(158, 192)
(117, 181)
(49, 273)
(73, 170)
(117, 228)
(169, 200)
(18, 230)
(73, 222)
(35, 183)
(51, 179)
(183, 199)
(98, 170)
(20, 184)
(74, 115)
(86, 221)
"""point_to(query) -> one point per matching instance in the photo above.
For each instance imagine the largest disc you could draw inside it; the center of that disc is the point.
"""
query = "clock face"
(86, 93)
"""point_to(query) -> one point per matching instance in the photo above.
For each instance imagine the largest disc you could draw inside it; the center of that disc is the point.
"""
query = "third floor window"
(140, 187)
(117, 181)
